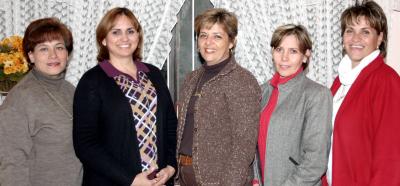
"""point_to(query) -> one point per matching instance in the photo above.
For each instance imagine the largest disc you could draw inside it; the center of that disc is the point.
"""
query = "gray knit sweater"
(36, 134)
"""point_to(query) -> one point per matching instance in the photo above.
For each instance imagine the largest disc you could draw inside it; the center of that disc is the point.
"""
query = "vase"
(6, 85)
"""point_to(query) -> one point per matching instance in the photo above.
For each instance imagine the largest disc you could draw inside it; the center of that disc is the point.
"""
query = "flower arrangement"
(13, 65)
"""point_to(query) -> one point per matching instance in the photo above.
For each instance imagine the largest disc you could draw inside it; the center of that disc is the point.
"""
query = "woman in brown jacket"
(218, 109)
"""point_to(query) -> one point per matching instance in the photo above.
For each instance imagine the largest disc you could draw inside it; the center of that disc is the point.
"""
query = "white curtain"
(157, 18)
(258, 20)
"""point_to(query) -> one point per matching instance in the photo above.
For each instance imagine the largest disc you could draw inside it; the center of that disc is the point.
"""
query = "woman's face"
(50, 57)
(122, 40)
(287, 56)
(360, 40)
(214, 44)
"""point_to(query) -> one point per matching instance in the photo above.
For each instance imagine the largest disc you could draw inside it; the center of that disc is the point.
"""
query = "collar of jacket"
(369, 69)
(229, 67)
(293, 83)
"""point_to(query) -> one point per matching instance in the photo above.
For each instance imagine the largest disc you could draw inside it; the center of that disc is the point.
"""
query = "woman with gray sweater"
(36, 117)
(295, 123)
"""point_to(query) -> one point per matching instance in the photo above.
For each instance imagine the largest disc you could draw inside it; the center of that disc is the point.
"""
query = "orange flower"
(13, 64)
(14, 42)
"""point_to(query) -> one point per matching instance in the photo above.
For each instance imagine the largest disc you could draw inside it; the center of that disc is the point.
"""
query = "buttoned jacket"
(226, 120)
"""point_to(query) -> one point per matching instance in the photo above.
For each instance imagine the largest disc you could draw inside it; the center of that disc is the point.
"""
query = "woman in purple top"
(124, 119)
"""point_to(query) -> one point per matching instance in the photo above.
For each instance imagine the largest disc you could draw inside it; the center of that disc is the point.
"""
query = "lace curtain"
(157, 18)
(258, 20)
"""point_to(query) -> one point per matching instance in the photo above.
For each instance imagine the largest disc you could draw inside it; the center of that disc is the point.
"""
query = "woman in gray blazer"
(295, 122)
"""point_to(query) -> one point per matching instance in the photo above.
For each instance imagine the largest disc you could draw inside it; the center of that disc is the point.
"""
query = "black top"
(104, 135)
(187, 137)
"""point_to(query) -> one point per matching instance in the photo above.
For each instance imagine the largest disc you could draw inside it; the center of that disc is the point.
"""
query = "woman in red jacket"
(366, 104)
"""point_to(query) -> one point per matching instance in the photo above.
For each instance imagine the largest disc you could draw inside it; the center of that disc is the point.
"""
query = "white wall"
(392, 11)
(393, 58)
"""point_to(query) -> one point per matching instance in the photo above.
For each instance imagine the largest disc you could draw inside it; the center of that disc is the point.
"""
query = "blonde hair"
(299, 31)
(228, 20)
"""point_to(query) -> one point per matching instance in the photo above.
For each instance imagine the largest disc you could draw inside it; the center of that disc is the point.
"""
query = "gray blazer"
(299, 133)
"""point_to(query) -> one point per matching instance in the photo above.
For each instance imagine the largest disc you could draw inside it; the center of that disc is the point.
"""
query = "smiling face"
(50, 57)
(214, 44)
(122, 40)
(360, 40)
(287, 56)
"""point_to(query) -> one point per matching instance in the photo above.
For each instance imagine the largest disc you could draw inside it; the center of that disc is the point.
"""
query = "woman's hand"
(255, 182)
(142, 180)
(164, 175)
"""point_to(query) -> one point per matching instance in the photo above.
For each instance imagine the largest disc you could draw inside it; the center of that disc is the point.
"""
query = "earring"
(304, 60)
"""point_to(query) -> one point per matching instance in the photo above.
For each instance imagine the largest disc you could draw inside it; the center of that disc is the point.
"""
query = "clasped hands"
(160, 178)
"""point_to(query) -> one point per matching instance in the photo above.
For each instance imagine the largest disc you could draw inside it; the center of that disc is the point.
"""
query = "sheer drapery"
(82, 16)
(258, 20)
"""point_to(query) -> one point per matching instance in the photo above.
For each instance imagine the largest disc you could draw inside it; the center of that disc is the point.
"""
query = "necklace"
(197, 91)
(54, 99)
(58, 103)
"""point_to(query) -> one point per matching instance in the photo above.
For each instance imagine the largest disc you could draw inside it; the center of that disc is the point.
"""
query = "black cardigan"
(104, 136)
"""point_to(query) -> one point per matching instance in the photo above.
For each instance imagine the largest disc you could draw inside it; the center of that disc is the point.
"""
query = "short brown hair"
(299, 31)
(107, 23)
(228, 20)
(373, 15)
(46, 29)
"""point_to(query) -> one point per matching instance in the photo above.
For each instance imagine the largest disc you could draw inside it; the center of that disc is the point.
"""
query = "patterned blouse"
(142, 97)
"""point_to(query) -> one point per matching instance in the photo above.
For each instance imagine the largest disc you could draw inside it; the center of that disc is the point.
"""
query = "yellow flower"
(14, 42)
(13, 65)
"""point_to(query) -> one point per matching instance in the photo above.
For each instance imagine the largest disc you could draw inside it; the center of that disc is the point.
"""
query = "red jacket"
(366, 137)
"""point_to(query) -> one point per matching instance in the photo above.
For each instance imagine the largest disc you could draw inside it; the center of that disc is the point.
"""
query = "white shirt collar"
(348, 75)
